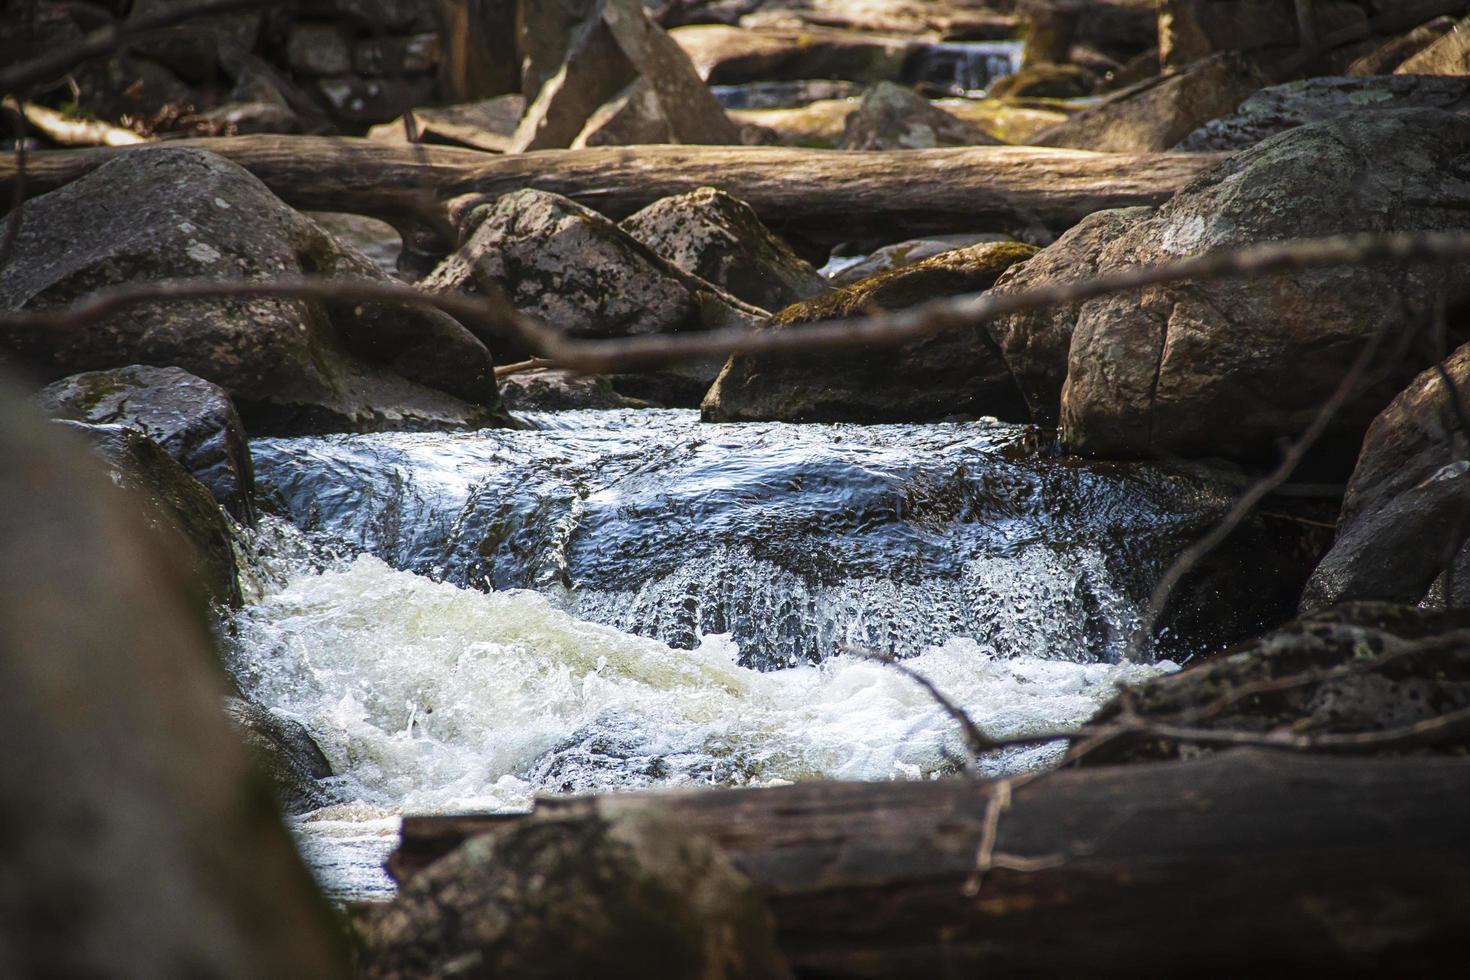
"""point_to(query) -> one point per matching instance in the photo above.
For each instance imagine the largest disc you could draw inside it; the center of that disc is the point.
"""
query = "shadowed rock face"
(147, 844)
(616, 896)
(956, 372)
(1232, 367)
(1406, 502)
(710, 234)
(192, 420)
(290, 365)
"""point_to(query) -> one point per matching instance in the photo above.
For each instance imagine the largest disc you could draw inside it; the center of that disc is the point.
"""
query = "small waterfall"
(964, 68)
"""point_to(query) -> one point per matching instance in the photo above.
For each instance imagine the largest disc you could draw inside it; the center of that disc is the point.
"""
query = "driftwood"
(1247, 862)
(817, 196)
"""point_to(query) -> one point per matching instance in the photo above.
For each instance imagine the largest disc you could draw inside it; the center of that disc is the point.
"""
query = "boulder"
(193, 50)
(1366, 692)
(1232, 368)
(710, 234)
(570, 266)
(488, 125)
(175, 505)
(1387, 56)
(1190, 30)
(1407, 501)
(158, 213)
(1035, 345)
(901, 254)
(726, 55)
(318, 49)
(892, 117)
(1157, 113)
(190, 419)
(285, 751)
(1044, 81)
(1282, 107)
(615, 54)
(1449, 55)
(630, 895)
(147, 843)
(543, 390)
(957, 372)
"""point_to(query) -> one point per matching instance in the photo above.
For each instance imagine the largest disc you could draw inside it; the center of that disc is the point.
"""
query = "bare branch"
(975, 740)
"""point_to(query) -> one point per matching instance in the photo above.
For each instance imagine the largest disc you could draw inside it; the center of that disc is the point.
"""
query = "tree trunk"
(1249, 862)
(817, 196)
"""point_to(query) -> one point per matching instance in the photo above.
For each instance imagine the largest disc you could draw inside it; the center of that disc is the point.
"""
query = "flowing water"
(625, 599)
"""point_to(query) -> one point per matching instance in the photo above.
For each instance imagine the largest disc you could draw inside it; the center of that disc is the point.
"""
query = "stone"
(290, 366)
(892, 117)
(901, 254)
(543, 390)
(1450, 55)
(318, 49)
(1158, 113)
(1233, 368)
(1282, 107)
(144, 836)
(1384, 58)
(624, 895)
(616, 54)
(174, 504)
(488, 125)
(285, 751)
(1191, 30)
(726, 55)
(1035, 345)
(1045, 81)
(194, 50)
(957, 372)
(1425, 679)
(391, 55)
(710, 234)
(191, 419)
(1407, 500)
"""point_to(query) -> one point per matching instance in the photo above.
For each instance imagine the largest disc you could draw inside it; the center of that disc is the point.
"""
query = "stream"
(627, 599)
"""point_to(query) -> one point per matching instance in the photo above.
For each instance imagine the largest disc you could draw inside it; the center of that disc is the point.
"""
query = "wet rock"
(570, 266)
(1407, 500)
(290, 365)
(1158, 113)
(616, 54)
(901, 254)
(892, 117)
(1450, 55)
(631, 895)
(192, 420)
(145, 838)
(710, 234)
(1386, 57)
(1045, 82)
(558, 391)
(1391, 666)
(1035, 345)
(488, 125)
(286, 752)
(1231, 368)
(175, 505)
(957, 372)
(1282, 107)
(731, 55)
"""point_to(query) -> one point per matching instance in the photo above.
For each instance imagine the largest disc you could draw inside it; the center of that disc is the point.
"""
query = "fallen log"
(818, 196)
(1248, 862)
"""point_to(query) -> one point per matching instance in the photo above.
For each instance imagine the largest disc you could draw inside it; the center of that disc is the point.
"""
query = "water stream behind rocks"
(624, 599)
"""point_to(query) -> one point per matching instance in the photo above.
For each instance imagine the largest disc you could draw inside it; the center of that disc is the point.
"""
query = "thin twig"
(975, 739)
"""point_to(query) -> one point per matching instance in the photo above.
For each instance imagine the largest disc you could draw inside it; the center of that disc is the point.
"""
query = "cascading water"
(964, 68)
(628, 599)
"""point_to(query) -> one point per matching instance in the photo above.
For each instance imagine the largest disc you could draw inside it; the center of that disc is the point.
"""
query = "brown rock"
(1044, 81)
(1450, 55)
(1386, 57)
(726, 55)
(488, 125)
(892, 117)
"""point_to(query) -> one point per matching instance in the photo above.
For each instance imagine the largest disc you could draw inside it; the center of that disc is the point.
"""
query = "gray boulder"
(290, 365)
(1232, 367)
(192, 420)
(1282, 107)
(956, 372)
(1407, 501)
(631, 895)
(147, 843)
(1035, 345)
(710, 234)
(543, 390)
(893, 117)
